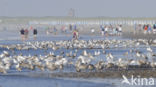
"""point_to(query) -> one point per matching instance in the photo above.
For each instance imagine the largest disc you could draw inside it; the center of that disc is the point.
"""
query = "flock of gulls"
(83, 61)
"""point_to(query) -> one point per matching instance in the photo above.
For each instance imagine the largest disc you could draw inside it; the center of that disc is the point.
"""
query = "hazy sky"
(83, 8)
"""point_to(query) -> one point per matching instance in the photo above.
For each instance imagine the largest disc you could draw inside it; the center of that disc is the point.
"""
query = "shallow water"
(26, 81)
(21, 81)
(18, 81)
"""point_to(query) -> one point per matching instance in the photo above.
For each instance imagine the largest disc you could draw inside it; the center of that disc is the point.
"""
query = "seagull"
(109, 58)
(149, 49)
(138, 54)
(96, 53)
(85, 53)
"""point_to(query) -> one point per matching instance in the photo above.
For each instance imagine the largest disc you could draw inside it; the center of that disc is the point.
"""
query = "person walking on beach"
(154, 28)
(55, 30)
(75, 34)
(22, 34)
(149, 29)
(117, 30)
(75, 27)
(35, 34)
(102, 30)
(145, 29)
(120, 30)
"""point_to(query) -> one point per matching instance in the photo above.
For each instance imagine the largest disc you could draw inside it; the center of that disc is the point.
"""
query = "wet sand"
(145, 73)
(107, 74)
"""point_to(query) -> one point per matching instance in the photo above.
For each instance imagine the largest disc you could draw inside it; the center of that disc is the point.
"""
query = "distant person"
(75, 27)
(102, 30)
(117, 30)
(149, 29)
(75, 34)
(154, 28)
(35, 34)
(145, 29)
(55, 30)
(120, 29)
(22, 34)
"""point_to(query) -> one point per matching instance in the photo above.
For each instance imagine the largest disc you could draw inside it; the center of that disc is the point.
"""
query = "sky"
(83, 8)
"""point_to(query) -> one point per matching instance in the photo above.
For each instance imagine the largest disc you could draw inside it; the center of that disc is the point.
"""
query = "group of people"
(146, 28)
(111, 30)
(106, 30)
(25, 32)
(63, 29)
